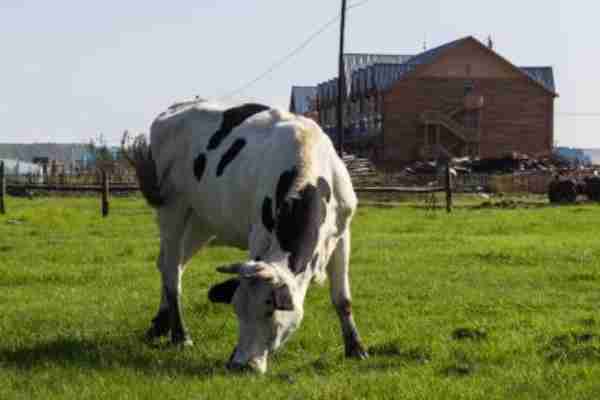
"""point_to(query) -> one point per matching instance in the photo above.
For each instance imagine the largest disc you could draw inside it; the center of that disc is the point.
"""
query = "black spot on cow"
(199, 165)
(223, 292)
(324, 188)
(297, 228)
(267, 214)
(232, 118)
(230, 155)
(286, 180)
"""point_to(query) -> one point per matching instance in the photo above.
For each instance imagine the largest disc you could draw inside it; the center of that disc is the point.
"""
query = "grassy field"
(483, 303)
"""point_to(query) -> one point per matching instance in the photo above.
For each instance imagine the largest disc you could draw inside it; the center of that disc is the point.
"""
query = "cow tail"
(139, 155)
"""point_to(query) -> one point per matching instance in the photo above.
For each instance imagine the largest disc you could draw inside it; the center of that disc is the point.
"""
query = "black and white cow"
(259, 179)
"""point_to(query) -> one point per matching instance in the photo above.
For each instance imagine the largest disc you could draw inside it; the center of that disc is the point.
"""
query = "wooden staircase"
(465, 134)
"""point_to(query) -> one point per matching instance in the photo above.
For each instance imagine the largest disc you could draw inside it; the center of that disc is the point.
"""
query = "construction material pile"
(566, 189)
(512, 163)
(509, 164)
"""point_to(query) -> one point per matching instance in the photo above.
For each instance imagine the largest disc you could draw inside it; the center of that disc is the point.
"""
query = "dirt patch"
(459, 370)
(507, 204)
(322, 365)
(286, 378)
(469, 334)
(588, 322)
(573, 348)
(584, 277)
(416, 354)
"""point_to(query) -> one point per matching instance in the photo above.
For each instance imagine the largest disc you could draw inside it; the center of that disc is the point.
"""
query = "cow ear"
(282, 298)
(223, 292)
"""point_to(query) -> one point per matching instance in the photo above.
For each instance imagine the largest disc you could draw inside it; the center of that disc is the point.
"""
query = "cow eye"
(269, 302)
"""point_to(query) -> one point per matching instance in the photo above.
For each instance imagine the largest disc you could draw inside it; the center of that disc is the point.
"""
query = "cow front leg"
(337, 270)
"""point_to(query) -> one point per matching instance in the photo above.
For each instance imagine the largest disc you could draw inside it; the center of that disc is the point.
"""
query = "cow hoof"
(187, 343)
(357, 352)
(159, 326)
(183, 342)
(154, 333)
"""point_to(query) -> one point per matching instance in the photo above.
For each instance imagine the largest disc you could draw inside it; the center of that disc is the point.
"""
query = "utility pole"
(341, 85)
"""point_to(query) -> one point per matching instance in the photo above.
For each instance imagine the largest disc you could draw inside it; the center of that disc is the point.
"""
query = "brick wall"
(517, 115)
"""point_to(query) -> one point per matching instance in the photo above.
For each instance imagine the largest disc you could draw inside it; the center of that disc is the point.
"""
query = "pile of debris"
(512, 163)
(566, 189)
(362, 170)
(509, 164)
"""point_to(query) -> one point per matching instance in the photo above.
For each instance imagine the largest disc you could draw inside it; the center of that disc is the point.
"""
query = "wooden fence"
(104, 184)
(101, 182)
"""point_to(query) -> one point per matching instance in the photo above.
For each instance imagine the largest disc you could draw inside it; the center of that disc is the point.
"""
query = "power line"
(576, 114)
(297, 50)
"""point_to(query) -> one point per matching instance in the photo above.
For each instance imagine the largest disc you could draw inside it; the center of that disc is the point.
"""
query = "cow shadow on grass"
(97, 355)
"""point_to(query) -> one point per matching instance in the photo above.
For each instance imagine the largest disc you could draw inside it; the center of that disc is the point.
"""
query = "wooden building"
(458, 99)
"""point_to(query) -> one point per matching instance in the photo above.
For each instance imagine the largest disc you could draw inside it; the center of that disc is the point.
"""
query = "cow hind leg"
(337, 270)
(180, 240)
(161, 323)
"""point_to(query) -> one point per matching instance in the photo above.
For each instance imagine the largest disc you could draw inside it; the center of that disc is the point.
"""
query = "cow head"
(267, 310)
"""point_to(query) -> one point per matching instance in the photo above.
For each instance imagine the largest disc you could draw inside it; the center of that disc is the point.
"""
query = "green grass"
(483, 303)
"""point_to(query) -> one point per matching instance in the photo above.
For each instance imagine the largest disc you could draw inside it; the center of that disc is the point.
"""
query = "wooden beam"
(341, 84)
(399, 189)
(73, 188)
(105, 193)
(2, 188)
(448, 187)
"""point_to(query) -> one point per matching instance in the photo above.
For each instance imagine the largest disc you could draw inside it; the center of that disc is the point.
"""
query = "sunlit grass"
(481, 303)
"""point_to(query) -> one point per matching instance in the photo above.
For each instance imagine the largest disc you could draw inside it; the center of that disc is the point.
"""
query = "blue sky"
(72, 69)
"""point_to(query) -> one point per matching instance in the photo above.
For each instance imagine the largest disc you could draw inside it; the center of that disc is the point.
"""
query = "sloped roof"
(429, 56)
(380, 71)
(301, 98)
(359, 60)
(543, 75)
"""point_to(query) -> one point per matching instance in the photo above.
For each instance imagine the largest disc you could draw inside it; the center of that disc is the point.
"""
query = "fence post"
(448, 185)
(2, 188)
(105, 192)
